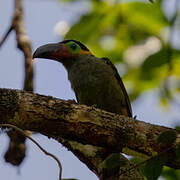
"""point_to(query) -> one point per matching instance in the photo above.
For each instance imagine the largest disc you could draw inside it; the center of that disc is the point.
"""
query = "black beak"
(48, 51)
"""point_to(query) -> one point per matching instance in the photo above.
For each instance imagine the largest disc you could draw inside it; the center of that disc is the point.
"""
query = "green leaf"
(153, 168)
(160, 58)
(170, 174)
(167, 137)
(113, 161)
(156, 60)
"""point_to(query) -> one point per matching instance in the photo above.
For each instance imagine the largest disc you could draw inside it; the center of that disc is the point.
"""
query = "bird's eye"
(73, 46)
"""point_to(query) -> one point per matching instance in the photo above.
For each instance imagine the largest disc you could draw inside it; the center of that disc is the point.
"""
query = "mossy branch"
(63, 119)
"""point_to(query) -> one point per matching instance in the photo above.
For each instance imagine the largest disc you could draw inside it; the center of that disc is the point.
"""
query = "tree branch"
(61, 119)
(23, 43)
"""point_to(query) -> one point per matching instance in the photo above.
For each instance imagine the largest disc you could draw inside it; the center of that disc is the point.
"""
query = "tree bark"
(87, 125)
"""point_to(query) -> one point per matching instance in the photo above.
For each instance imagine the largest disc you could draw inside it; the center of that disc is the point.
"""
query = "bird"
(94, 80)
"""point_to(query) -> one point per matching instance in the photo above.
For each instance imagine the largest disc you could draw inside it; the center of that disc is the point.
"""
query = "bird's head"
(63, 51)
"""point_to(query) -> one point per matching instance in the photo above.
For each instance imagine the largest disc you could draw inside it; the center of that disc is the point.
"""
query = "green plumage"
(95, 81)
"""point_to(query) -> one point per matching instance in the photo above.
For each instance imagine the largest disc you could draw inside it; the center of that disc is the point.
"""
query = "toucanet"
(94, 80)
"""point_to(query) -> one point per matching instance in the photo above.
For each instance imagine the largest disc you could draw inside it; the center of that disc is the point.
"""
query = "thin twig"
(6, 35)
(42, 149)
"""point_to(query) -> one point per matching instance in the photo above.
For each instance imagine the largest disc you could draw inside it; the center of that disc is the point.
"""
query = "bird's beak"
(49, 51)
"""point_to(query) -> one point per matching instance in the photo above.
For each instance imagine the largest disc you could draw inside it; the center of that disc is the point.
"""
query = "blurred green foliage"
(135, 34)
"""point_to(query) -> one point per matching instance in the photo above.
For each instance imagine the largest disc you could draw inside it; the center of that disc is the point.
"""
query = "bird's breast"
(95, 84)
(89, 75)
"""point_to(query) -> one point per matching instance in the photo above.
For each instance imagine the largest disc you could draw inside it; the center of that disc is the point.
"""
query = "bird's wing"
(128, 104)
